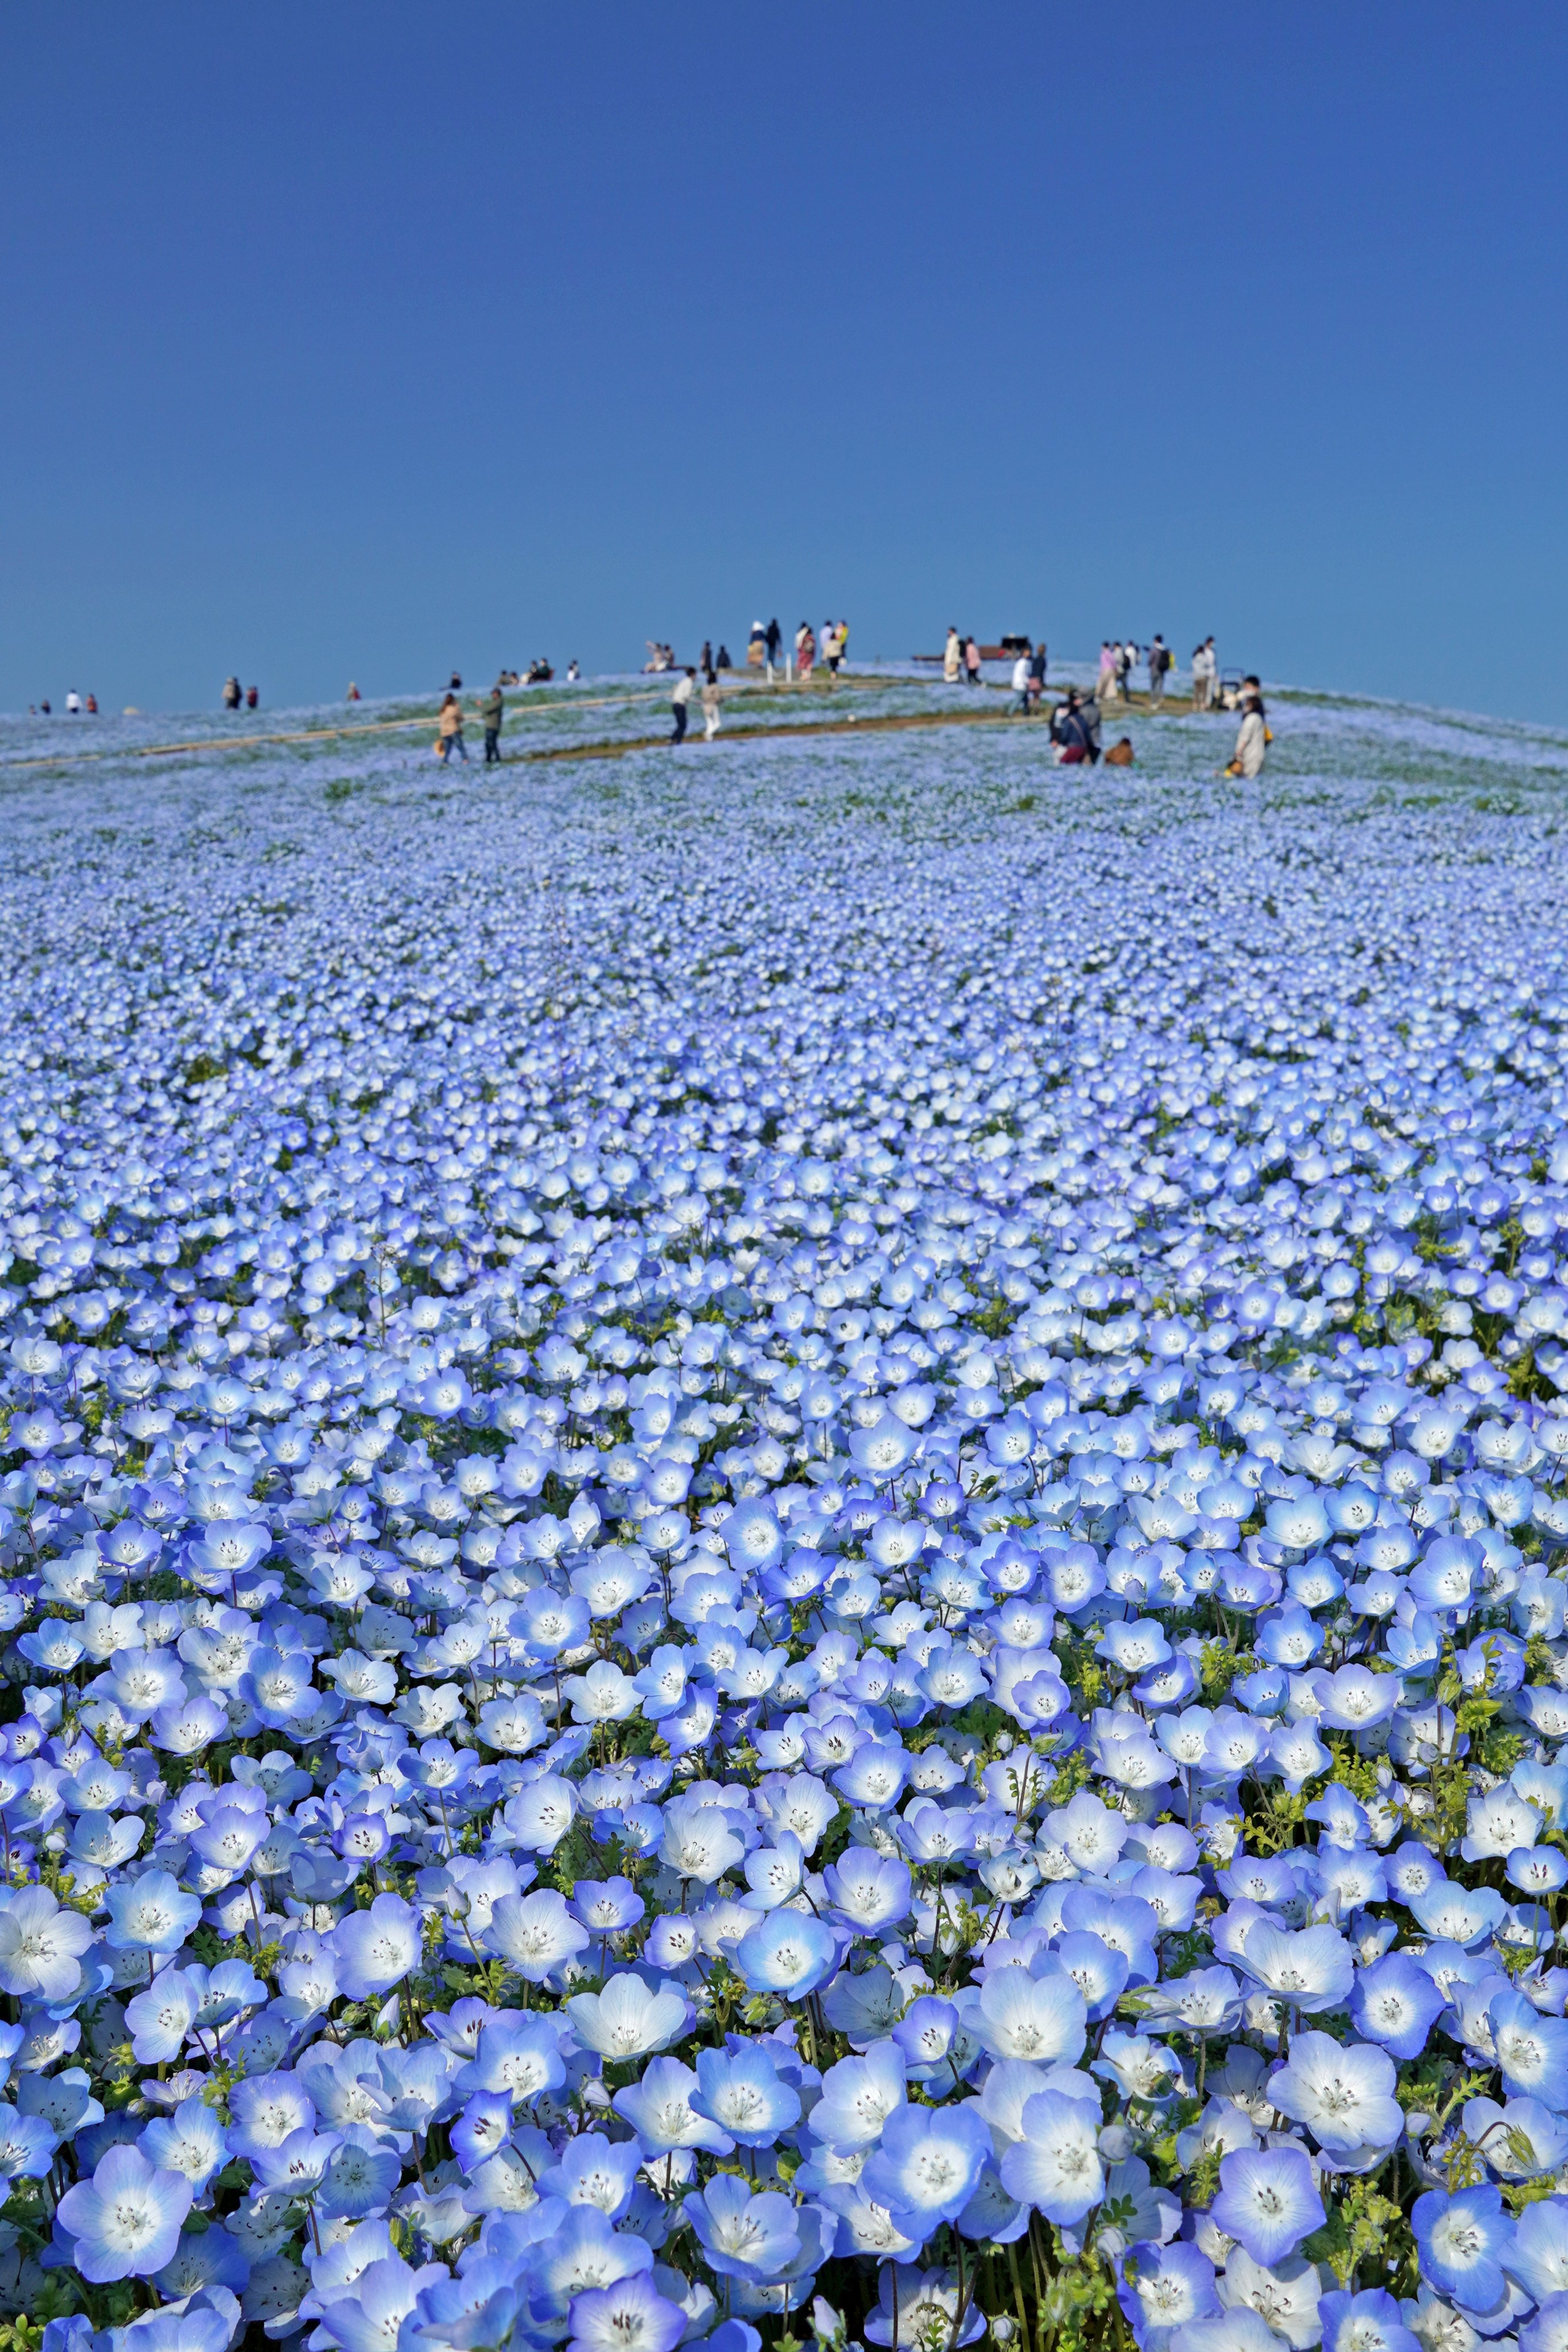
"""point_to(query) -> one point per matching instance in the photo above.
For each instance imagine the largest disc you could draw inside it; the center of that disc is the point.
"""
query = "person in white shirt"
(1205, 670)
(1020, 682)
(678, 701)
(73, 704)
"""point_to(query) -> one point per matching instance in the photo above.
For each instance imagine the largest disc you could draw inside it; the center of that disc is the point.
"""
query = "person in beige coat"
(449, 731)
(1251, 741)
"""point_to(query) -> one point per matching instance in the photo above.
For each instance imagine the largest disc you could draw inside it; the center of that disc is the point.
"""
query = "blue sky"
(363, 340)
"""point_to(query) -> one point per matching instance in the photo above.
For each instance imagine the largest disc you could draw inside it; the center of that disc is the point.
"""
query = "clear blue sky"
(363, 340)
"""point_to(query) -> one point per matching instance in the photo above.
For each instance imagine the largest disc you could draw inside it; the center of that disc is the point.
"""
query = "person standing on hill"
(710, 699)
(971, 662)
(952, 655)
(449, 732)
(773, 640)
(1159, 662)
(1037, 677)
(492, 710)
(1105, 684)
(1020, 685)
(679, 701)
(805, 652)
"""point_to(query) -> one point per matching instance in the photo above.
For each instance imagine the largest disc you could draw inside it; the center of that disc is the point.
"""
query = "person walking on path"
(710, 699)
(971, 662)
(1126, 662)
(233, 694)
(805, 652)
(1020, 685)
(1252, 741)
(705, 660)
(1105, 684)
(449, 732)
(492, 709)
(1159, 662)
(1037, 677)
(952, 655)
(679, 701)
(773, 640)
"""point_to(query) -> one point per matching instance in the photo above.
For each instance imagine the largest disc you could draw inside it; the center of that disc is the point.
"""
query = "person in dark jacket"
(1159, 662)
(492, 709)
(1075, 731)
(774, 640)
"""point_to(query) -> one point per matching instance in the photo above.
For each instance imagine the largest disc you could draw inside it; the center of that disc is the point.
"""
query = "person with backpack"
(1159, 662)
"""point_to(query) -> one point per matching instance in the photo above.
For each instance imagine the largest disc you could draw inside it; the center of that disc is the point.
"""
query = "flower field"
(784, 1540)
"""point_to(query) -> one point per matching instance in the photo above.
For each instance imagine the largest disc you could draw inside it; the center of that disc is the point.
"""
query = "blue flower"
(1267, 2201)
(740, 2090)
(1463, 2241)
(125, 2222)
(786, 1952)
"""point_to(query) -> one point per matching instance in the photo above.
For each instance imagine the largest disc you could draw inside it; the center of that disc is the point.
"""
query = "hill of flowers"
(783, 1545)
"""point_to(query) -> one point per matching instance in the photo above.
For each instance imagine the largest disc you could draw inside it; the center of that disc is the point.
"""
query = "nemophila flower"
(149, 1914)
(1396, 2003)
(1161, 2288)
(742, 2092)
(369, 2317)
(1370, 2321)
(41, 1945)
(1019, 2015)
(1547, 2331)
(1310, 1969)
(1267, 2200)
(28, 2145)
(1537, 2256)
(1532, 2048)
(926, 2165)
(1055, 2166)
(1343, 2094)
(630, 2317)
(743, 2235)
(594, 2170)
(857, 2097)
(535, 1934)
(374, 1949)
(789, 1952)
(1458, 1914)
(125, 2222)
(869, 1891)
(1462, 2240)
(628, 2019)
